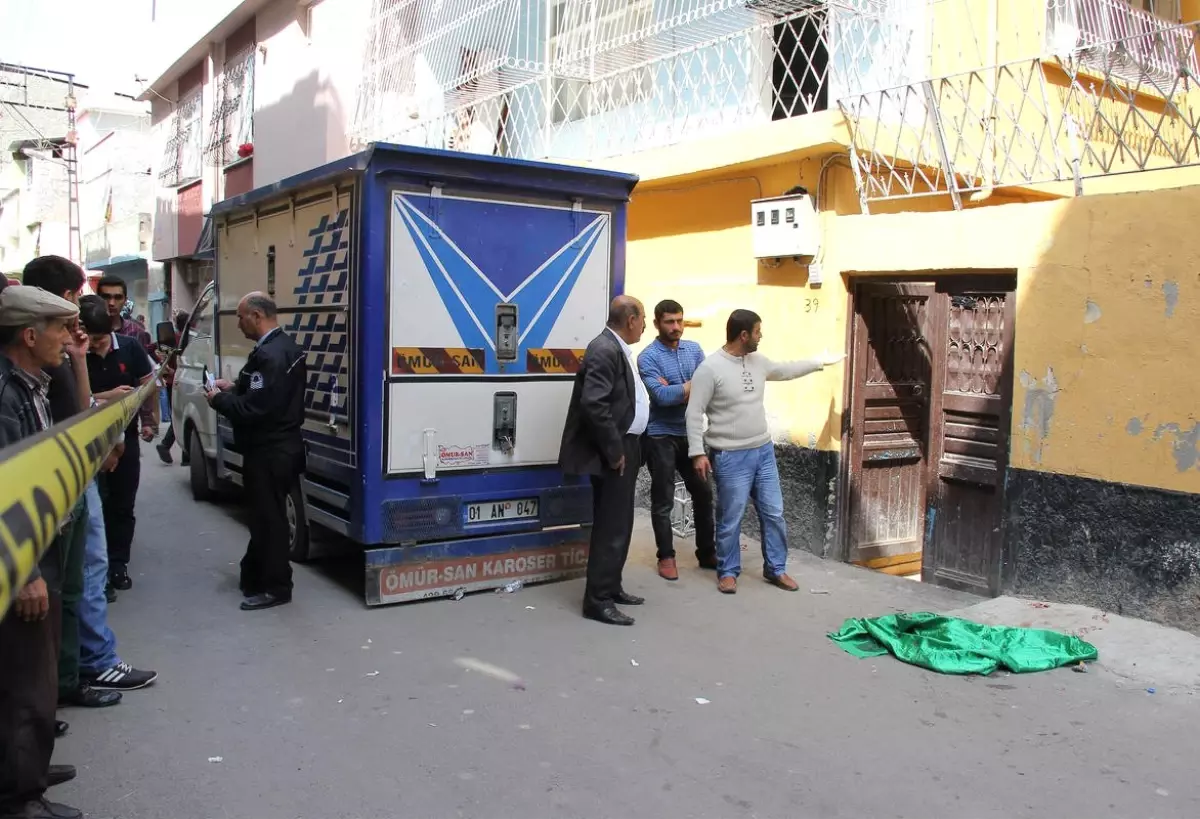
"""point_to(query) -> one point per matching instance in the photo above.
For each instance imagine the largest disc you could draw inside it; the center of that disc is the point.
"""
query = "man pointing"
(728, 388)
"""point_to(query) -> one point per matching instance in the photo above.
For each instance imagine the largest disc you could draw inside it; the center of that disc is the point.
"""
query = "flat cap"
(21, 305)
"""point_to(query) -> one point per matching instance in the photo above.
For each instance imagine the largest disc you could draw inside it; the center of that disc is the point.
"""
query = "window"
(182, 154)
(200, 325)
(232, 120)
(587, 42)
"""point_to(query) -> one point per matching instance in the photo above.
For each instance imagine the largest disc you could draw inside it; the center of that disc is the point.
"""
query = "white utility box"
(784, 227)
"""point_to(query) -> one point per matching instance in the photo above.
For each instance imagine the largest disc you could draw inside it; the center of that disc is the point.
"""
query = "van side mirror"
(165, 331)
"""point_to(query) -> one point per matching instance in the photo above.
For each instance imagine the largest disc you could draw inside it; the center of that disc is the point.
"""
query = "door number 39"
(811, 305)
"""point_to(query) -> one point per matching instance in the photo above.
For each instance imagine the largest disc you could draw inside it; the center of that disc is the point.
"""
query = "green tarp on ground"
(954, 646)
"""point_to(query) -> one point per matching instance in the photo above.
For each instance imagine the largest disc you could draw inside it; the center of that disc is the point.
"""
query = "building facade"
(116, 199)
(34, 182)
(999, 236)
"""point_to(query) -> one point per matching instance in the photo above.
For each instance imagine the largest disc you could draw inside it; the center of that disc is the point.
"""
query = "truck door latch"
(506, 332)
(504, 421)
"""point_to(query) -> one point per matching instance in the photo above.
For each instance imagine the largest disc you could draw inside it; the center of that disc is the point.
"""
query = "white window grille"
(182, 161)
(232, 121)
(1131, 40)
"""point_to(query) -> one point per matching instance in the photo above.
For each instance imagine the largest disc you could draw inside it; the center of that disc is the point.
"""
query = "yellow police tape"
(44, 477)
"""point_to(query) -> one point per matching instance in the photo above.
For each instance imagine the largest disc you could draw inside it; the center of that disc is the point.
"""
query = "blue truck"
(444, 301)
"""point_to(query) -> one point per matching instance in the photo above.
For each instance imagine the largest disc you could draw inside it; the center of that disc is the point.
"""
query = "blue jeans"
(742, 474)
(97, 644)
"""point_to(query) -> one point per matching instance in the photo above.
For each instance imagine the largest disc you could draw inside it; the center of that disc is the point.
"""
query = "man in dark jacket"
(266, 409)
(118, 364)
(34, 330)
(608, 413)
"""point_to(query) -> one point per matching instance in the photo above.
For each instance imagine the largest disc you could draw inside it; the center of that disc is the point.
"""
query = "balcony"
(1112, 36)
(1085, 107)
(125, 237)
(600, 78)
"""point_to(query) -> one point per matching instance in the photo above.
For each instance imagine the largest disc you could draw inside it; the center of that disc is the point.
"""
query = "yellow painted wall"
(1107, 327)
(690, 240)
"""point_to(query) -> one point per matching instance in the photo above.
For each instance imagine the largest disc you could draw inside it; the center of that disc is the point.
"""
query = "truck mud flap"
(400, 574)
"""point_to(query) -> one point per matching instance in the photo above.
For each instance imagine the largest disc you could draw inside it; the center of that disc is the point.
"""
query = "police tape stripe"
(553, 360)
(45, 476)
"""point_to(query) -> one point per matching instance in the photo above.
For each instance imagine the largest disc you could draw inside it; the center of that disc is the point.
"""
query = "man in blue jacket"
(666, 367)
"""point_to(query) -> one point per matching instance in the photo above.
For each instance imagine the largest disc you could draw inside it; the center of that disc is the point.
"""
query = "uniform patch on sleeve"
(256, 381)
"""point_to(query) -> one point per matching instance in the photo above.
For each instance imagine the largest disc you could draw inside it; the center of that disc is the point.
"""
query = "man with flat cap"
(608, 413)
(266, 409)
(35, 327)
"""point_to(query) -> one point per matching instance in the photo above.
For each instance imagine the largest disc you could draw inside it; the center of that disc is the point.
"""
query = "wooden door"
(889, 431)
(971, 409)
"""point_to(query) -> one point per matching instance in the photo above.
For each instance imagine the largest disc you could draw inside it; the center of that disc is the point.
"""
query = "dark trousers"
(73, 545)
(268, 476)
(169, 439)
(28, 696)
(665, 456)
(612, 527)
(118, 489)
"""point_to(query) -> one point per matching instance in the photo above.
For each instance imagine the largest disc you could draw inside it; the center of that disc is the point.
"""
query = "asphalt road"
(324, 709)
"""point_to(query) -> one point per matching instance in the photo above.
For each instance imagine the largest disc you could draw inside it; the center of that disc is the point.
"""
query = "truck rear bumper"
(399, 574)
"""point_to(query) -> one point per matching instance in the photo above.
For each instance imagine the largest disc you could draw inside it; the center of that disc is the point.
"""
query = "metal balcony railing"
(1114, 36)
(1031, 122)
(589, 79)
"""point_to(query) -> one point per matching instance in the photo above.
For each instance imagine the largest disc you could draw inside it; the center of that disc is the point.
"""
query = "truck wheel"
(198, 469)
(298, 542)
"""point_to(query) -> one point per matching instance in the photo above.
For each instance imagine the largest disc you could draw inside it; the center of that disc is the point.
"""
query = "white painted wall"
(306, 82)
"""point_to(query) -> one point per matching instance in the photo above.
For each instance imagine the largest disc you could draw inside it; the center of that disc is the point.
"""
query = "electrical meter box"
(784, 227)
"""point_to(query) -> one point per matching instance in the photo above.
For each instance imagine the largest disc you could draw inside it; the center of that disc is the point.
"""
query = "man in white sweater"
(728, 388)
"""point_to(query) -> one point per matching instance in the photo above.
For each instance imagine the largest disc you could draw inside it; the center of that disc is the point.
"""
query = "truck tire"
(202, 489)
(298, 535)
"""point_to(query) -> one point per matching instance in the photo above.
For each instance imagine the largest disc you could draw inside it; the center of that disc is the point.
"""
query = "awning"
(204, 246)
(114, 261)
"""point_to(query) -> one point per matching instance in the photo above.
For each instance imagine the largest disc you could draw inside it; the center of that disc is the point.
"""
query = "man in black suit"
(608, 413)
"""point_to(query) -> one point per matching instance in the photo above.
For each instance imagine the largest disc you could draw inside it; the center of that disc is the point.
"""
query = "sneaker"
(121, 677)
(119, 579)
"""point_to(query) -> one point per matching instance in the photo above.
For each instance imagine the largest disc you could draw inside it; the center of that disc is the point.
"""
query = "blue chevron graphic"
(542, 284)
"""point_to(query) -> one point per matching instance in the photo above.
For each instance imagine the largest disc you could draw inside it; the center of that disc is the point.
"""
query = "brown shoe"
(783, 581)
(727, 585)
(667, 569)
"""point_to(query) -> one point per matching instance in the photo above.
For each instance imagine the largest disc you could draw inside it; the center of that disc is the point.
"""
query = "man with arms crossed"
(728, 387)
(666, 367)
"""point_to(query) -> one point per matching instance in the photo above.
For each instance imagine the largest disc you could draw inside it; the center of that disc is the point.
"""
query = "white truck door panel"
(457, 263)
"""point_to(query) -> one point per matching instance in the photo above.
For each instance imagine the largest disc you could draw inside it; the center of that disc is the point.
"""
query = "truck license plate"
(490, 511)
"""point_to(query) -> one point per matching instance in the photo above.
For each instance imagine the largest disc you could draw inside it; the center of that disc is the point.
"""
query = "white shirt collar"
(267, 335)
(625, 347)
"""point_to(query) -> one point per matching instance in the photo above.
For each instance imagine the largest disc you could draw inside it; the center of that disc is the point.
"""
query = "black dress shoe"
(119, 579)
(110, 594)
(263, 601)
(59, 774)
(40, 809)
(87, 697)
(60, 729)
(626, 599)
(609, 614)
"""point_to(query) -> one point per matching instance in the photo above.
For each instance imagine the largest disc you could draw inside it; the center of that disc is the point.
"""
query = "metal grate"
(1032, 121)
(683, 520)
(588, 79)
(182, 159)
(232, 122)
